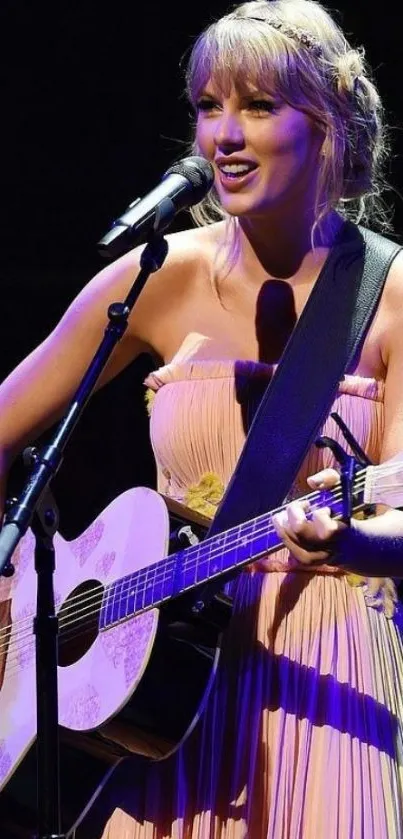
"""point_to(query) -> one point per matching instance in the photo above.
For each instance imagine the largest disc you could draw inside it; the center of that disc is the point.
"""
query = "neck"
(282, 249)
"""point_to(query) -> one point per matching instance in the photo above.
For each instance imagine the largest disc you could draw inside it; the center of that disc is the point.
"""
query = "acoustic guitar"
(142, 602)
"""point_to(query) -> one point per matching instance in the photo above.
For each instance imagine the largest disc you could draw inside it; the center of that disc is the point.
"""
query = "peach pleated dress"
(302, 735)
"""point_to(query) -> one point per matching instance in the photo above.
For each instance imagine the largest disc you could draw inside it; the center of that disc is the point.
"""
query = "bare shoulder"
(390, 330)
(172, 290)
(190, 257)
(393, 292)
(390, 313)
(392, 297)
(190, 252)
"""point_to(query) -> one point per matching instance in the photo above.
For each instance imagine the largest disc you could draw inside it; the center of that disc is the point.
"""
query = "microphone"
(184, 184)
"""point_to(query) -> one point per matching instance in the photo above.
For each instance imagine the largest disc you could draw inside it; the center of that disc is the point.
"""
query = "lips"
(235, 165)
(234, 172)
(232, 181)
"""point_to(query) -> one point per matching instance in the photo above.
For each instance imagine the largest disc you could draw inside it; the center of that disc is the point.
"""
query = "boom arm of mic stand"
(47, 462)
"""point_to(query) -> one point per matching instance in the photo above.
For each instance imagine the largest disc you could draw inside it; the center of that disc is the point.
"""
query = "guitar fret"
(116, 601)
(200, 565)
(120, 597)
(126, 598)
(140, 591)
(148, 591)
(244, 546)
(165, 584)
(216, 558)
(161, 587)
(264, 541)
(106, 608)
(178, 573)
(143, 590)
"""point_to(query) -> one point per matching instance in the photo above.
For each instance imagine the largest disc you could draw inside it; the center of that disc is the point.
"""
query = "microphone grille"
(198, 171)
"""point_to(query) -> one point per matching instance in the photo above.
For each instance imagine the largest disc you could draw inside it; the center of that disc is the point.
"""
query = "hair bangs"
(241, 53)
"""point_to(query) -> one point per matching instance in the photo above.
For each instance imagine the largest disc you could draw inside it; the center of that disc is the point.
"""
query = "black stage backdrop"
(93, 112)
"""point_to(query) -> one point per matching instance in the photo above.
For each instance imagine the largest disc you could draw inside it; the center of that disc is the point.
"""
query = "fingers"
(325, 526)
(319, 525)
(325, 479)
(297, 550)
(306, 534)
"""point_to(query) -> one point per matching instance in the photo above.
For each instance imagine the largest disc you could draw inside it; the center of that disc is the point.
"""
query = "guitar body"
(137, 687)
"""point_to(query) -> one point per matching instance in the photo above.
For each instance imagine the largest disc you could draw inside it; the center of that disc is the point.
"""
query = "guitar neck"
(218, 556)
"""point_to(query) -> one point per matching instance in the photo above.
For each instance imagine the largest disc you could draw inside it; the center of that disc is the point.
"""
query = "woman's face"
(264, 152)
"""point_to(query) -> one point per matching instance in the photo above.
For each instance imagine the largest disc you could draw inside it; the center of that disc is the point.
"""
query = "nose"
(229, 132)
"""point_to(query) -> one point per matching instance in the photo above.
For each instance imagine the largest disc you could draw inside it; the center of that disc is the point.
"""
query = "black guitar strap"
(323, 346)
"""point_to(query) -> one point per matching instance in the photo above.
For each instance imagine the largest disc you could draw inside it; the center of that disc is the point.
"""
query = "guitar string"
(195, 550)
(88, 602)
(189, 550)
(68, 620)
(67, 629)
(18, 647)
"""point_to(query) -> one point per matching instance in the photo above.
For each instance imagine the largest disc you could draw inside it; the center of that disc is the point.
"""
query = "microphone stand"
(36, 507)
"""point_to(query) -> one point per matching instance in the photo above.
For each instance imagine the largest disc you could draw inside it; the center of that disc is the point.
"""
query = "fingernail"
(316, 482)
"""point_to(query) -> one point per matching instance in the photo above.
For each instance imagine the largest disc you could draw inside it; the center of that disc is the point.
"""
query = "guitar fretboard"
(212, 558)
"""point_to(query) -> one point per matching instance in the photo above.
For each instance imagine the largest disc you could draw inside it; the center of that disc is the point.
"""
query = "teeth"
(235, 168)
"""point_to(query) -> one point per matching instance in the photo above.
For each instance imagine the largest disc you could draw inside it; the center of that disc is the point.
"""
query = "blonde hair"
(295, 48)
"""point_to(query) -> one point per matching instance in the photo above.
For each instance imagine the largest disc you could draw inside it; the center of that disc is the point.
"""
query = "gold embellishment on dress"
(379, 592)
(205, 496)
(355, 579)
(149, 397)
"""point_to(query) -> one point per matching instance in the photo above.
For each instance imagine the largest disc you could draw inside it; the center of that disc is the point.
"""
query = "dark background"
(93, 112)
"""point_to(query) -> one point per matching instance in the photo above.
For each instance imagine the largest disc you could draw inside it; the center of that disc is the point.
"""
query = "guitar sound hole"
(78, 621)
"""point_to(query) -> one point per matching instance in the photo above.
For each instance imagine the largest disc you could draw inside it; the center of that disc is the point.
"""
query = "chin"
(238, 207)
(241, 210)
(246, 203)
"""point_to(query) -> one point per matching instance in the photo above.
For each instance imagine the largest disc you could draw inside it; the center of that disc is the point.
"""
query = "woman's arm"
(373, 547)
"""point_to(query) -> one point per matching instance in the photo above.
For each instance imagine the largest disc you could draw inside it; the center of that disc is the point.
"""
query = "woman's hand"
(371, 547)
(310, 540)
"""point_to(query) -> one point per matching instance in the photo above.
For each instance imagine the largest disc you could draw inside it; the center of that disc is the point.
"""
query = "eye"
(266, 105)
(205, 104)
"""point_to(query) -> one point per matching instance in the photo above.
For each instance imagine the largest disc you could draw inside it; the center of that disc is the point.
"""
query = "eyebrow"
(247, 94)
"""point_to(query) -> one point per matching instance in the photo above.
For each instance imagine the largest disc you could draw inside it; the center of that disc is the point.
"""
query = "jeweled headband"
(301, 36)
